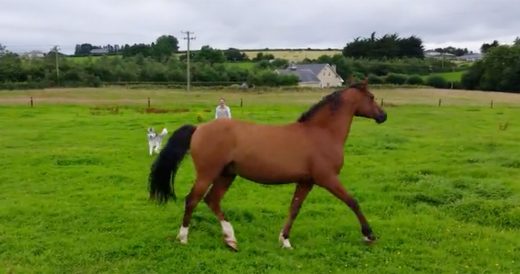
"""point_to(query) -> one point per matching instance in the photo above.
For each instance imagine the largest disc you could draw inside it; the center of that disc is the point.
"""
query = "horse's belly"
(272, 171)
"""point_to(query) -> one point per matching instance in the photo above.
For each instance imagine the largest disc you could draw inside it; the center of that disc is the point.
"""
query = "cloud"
(29, 24)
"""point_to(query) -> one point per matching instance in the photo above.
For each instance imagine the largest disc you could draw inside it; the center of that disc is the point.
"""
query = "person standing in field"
(222, 111)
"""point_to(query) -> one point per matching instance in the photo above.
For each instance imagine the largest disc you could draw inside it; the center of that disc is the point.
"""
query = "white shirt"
(222, 112)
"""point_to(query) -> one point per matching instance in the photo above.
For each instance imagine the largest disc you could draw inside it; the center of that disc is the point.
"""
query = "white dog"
(155, 140)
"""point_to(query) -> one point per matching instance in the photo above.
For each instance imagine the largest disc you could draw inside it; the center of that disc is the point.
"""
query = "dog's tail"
(165, 167)
(163, 132)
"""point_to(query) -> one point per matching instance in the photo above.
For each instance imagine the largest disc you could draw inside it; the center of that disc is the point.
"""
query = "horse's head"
(365, 105)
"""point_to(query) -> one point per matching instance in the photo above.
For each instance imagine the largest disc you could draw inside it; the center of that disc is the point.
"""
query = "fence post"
(491, 103)
(32, 102)
(148, 102)
(241, 102)
(382, 102)
(440, 102)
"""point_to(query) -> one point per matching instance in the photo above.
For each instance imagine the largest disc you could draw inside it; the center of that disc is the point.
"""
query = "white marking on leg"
(227, 229)
(285, 242)
(183, 235)
(229, 235)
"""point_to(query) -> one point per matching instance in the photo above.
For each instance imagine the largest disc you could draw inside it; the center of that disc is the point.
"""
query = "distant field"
(438, 184)
(291, 55)
(118, 95)
(455, 76)
(84, 59)
(294, 55)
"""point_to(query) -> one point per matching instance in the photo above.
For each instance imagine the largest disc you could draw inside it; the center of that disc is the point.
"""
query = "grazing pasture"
(439, 185)
(293, 55)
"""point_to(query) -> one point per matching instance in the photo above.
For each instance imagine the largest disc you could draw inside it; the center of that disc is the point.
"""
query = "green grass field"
(454, 76)
(86, 59)
(440, 186)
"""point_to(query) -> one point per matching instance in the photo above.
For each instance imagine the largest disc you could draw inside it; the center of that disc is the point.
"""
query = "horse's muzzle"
(381, 118)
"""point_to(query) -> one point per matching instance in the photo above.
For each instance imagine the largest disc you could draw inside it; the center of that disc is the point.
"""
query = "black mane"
(333, 99)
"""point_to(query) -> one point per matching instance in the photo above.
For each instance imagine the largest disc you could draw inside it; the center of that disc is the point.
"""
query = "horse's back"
(258, 152)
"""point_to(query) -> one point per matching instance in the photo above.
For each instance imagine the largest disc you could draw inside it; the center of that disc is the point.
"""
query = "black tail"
(165, 167)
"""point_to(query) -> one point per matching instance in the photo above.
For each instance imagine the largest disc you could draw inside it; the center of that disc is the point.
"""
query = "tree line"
(499, 70)
(389, 46)
(18, 72)
(386, 59)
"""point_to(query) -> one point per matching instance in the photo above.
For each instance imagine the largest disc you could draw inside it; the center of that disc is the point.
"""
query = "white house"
(314, 75)
(470, 57)
(34, 54)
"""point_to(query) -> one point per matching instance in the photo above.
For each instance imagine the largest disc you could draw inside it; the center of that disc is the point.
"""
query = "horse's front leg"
(333, 185)
(302, 189)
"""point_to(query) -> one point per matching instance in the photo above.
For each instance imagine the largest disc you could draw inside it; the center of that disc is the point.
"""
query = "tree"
(411, 47)
(389, 46)
(11, 68)
(209, 55)
(517, 41)
(83, 49)
(135, 49)
(2, 50)
(261, 56)
(453, 50)
(486, 47)
(233, 54)
(498, 70)
(165, 46)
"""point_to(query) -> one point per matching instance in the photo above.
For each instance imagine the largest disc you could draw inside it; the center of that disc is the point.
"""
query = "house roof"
(315, 68)
(305, 72)
(304, 75)
(98, 51)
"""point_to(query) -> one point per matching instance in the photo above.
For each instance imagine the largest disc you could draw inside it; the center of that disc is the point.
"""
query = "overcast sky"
(39, 24)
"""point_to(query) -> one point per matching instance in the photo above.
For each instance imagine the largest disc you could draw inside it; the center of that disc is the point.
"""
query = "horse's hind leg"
(302, 189)
(192, 199)
(213, 198)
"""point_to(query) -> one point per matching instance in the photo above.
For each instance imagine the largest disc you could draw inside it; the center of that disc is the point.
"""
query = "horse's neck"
(337, 124)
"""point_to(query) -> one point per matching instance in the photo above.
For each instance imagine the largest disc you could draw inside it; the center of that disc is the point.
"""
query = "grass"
(454, 76)
(87, 59)
(242, 65)
(438, 184)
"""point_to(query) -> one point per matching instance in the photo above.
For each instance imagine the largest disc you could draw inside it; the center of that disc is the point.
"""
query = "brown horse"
(308, 152)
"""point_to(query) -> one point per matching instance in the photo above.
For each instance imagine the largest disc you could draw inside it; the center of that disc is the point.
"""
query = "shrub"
(397, 79)
(374, 79)
(437, 82)
(415, 80)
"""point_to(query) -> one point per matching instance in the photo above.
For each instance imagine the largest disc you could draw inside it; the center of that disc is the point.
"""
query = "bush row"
(415, 80)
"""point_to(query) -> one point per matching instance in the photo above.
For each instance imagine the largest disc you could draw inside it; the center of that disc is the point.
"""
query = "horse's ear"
(364, 84)
(350, 80)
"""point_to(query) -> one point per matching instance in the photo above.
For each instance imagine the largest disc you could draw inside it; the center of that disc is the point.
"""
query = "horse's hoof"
(182, 240)
(232, 245)
(369, 239)
(286, 244)
(288, 247)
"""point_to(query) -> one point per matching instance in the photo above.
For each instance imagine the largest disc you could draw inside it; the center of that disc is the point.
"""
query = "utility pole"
(57, 65)
(188, 76)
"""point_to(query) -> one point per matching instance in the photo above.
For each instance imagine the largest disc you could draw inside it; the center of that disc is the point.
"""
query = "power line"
(56, 48)
(188, 38)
